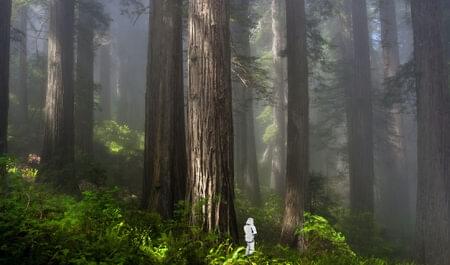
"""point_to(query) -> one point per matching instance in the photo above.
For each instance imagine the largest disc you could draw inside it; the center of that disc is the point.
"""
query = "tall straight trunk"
(105, 81)
(433, 120)
(238, 36)
(394, 196)
(361, 116)
(251, 173)
(5, 24)
(245, 146)
(23, 66)
(278, 174)
(446, 36)
(389, 37)
(297, 169)
(123, 109)
(210, 121)
(59, 103)
(240, 133)
(165, 162)
(84, 93)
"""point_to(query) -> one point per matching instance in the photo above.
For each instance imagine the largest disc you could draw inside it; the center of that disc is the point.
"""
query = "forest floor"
(105, 226)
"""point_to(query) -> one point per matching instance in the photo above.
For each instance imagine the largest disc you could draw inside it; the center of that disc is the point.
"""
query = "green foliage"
(400, 89)
(322, 199)
(119, 151)
(267, 215)
(38, 226)
(362, 234)
(119, 138)
(321, 237)
(266, 119)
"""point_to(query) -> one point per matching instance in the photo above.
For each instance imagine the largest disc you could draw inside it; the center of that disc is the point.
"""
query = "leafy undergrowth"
(38, 226)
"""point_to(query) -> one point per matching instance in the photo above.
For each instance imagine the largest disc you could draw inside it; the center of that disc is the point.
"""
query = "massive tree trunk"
(23, 66)
(297, 169)
(59, 106)
(433, 116)
(360, 118)
(394, 181)
(84, 96)
(165, 165)
(210, 125)
(105, 81)
(245, 147)
(446, 25)
(5, 24)
(278, 174)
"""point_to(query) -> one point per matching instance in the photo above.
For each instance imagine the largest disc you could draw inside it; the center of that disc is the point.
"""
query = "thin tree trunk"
(123, 109)
(5, 25)
(297, 169)
(238, 36)
(105, 80)
(252, 175)
(240, 133)
(394, 179)
(278, 175)
(210, 123)
(58, 149)
(23, 66)
(165, 164)
(84, 96)
(433, 116)
(361, 116)
(248, 178)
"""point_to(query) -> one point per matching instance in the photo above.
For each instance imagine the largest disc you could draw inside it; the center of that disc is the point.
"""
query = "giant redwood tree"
(59, 103)
(210, 125)
(23, 65)
(278, 174)
(246, 168)
(105, 81)
(297, 167)
(394, 191)
(5, 24)
(84, 89)
(165, 165)
(433, 147)
(360, 128)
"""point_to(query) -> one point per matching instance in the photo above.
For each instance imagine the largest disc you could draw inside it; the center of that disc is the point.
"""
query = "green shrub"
(119, 150)
(39, 226)
(322, 238)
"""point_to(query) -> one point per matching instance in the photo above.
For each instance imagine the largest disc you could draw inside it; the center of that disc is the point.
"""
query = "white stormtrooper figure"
(250, 232)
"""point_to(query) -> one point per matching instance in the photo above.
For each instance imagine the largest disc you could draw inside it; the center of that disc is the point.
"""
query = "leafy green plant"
(39, 226)
(321, 237)
(119, 138)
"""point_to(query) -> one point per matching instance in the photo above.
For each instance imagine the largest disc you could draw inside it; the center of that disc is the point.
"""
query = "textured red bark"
(278, 174)
(58, 149)
(210, 125)
(165, 165)
(297, 164)
(433, 148)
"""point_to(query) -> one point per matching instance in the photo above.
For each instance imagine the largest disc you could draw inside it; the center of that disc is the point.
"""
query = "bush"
(322, 238)
(119, 150)
(39, 226)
